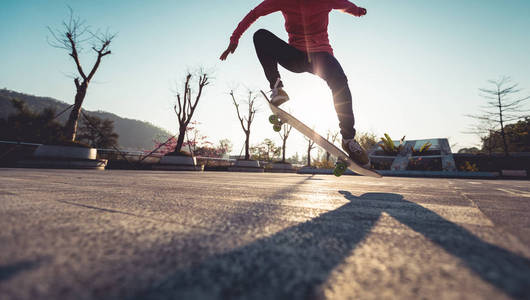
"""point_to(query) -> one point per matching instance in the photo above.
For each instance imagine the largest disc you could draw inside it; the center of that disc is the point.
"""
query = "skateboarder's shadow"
(292, 263)
(11, 270)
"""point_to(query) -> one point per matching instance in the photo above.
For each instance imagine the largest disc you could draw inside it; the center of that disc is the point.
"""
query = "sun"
(311, 101)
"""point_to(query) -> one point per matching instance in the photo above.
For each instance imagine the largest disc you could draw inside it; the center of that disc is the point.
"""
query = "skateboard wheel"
(341, 166)
(277, 127)
(273, 119)
(337, 172)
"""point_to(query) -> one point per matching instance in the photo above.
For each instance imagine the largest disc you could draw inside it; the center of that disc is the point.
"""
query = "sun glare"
(311, 101)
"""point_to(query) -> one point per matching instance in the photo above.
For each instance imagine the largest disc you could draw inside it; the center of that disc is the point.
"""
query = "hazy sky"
(414, 66)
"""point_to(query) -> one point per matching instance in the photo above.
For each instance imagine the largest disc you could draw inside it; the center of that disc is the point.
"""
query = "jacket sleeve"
(345, 6)
(266, 7)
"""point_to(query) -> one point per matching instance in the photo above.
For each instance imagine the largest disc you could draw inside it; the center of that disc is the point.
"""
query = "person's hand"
(231, 48)
(360, 12)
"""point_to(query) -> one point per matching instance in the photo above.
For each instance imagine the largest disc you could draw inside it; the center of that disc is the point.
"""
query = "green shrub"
(468, 167)
(388, 146)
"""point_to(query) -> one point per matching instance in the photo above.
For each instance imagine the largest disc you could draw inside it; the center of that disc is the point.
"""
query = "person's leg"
(272, 51)
(328, 68)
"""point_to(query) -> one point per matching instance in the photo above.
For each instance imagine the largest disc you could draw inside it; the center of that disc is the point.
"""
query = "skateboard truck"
(277, 123)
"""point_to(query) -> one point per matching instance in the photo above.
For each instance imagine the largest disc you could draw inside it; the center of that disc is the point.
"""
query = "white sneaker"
(278, 95)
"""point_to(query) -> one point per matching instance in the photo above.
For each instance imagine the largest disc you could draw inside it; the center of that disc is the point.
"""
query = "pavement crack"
(98, 208)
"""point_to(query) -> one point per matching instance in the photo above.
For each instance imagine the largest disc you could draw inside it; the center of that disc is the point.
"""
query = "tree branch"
(237, 110)
(102, 51)
(75, 56)
(203, 81)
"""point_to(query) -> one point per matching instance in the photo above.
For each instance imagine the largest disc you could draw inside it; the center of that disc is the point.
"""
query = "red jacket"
(306, 21)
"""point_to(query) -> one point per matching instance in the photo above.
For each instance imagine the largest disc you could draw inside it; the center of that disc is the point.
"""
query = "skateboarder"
(308, 50)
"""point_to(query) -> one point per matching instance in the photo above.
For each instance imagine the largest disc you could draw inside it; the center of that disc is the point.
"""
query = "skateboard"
(280, 117)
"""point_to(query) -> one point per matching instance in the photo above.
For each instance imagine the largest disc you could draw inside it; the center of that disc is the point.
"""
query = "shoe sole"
(280, 101)
(367, 165)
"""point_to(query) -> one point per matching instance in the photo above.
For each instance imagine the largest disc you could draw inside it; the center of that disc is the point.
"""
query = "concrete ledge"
(514, 173)
(178, 160)
(88, 164)
(247, 164)
(306, 170)
(69, 152)
(178, 163)
(427, 174)
(269, 170)
(173, 167)
(246, 169)
(281, 168)
(440, 174)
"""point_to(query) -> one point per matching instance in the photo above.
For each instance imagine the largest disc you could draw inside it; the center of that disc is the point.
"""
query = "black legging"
(272, 51)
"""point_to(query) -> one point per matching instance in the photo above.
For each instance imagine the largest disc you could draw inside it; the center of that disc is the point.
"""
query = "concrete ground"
(69, 234)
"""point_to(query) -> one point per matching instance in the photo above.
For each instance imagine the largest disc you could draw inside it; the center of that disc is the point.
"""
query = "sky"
(414, 66)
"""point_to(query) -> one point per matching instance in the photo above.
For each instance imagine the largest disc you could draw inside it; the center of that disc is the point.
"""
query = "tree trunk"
(247, 145)
(180, 140)
(505, 145)
(309, 157)
(490, 143)
(70, 128)
(283, 150)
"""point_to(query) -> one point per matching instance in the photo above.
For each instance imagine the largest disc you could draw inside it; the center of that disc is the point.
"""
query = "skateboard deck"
(319, 140)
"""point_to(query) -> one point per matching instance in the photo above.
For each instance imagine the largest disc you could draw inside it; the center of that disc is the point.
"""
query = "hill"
(134, 134)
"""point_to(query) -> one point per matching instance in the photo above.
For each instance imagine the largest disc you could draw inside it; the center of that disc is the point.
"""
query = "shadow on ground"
(11, 270)
(292, 263)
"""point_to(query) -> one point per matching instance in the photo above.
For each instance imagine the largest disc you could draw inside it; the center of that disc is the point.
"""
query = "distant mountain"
(134, 134)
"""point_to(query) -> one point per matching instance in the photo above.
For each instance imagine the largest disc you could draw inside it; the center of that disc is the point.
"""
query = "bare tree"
(72, 36)
(246, 121)
(284, 135)
(501, 108)
(186, 105)
(483, 129)
(310, 146)
(332, 137)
